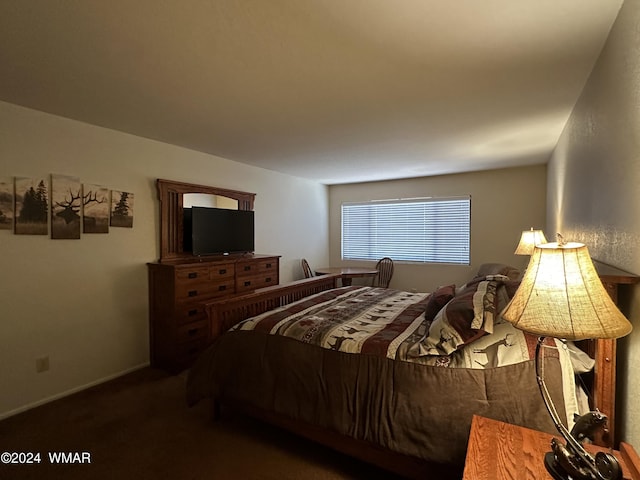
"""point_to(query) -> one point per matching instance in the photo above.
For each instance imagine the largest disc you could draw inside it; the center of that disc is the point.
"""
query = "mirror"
(204, 200)
(174, 196)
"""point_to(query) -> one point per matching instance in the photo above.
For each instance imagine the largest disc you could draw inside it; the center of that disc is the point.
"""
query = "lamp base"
(606, 467)
(554, 468)
(572, 462)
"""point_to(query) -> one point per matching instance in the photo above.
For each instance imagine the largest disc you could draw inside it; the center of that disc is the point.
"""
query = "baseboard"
(66, 393)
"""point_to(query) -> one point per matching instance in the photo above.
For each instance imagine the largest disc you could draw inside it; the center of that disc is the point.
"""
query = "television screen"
(215, 231)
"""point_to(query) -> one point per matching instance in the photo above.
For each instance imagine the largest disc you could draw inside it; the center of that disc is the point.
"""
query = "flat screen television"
(218, 231)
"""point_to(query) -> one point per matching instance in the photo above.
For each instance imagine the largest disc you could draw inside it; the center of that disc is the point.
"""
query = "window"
(427, 230)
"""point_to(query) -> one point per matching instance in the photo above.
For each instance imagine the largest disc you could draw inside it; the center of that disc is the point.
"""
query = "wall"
(503, 203)
(593, 186)
(84, 302)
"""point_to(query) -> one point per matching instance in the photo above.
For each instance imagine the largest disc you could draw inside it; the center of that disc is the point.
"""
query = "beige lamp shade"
(562, 296)
(528, 240)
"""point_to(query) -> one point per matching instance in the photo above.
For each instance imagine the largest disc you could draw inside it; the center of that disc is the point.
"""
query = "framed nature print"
(95, 209)
(66, 200)
(121, 209)
(6, 203)
(31, 206)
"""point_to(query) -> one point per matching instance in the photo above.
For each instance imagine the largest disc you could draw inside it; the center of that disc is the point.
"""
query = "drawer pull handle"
(222, 271)
(222, 287)
(192, 332)
(193, 293)
(193, 312)
(192, 275)
(247, 268)
(268, 265)
(246, 284)
(268, 279)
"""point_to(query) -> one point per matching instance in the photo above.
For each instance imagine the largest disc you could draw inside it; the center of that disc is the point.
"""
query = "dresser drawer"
(195, 273)
(199, 291)
(246, 269)
(261, 280)
(189, 313)
(193, 331)
(267, 265)
(200, 274)
(222, 272)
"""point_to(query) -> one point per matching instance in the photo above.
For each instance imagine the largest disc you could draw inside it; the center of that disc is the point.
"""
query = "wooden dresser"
(178, 325)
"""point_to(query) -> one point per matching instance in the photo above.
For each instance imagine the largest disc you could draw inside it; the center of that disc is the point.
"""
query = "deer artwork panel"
(31, 206)
(6, 203)
(66, 201)
(95, 209)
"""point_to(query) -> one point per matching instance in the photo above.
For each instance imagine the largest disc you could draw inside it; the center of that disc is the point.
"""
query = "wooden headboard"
(603, 390)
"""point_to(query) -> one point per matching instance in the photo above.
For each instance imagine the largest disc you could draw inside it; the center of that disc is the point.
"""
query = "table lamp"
(561, 296)
(528, 240)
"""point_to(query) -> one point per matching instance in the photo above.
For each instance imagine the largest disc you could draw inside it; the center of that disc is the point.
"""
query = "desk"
(501, 451)
(348, 273)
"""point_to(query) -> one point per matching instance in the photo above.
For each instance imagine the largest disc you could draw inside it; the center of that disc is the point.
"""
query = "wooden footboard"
(223, 314)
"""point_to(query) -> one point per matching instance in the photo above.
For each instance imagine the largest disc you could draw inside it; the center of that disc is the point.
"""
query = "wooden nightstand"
(498, 450)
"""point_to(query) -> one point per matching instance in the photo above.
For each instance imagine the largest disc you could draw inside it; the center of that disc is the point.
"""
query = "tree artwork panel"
(31, 206)
(95, 212)
(66, 201)
(121, 209)
(6, 204)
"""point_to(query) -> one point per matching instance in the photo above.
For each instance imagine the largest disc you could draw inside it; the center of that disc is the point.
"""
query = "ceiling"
(336, 91)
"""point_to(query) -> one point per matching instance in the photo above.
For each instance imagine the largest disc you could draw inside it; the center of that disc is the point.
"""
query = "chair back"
(385, 272)
(306, 269)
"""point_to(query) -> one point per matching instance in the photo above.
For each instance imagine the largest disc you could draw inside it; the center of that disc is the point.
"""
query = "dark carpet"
(139, 426)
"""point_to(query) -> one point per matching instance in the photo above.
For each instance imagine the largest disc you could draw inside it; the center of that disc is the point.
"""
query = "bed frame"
(223, 314)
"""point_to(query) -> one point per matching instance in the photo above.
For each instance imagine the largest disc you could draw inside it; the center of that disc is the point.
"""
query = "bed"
(390, 377)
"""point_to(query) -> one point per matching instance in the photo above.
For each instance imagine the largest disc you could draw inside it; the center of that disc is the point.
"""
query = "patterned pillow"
(437, 300)
(467, 317)
(498, 269)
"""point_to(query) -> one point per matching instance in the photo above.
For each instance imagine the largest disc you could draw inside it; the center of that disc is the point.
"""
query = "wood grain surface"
(500, 451)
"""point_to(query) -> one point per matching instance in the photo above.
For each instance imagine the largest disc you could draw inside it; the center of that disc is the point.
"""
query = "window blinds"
(428, 230)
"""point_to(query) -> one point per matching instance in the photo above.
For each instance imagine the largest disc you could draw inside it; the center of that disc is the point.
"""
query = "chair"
(385, 272)
(308, 273)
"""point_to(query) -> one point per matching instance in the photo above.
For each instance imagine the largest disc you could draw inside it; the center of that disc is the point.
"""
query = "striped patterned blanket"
(466, 332)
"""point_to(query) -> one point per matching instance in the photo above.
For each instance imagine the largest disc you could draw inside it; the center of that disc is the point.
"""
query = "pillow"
(498, 269)
(437, 300)
(467, 317)
(580, 361)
